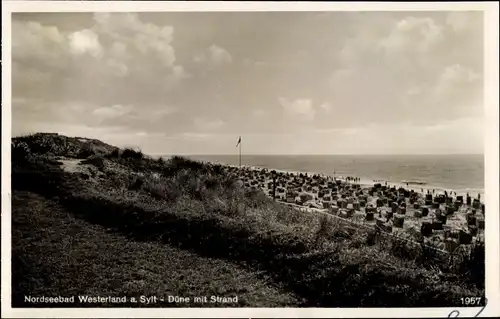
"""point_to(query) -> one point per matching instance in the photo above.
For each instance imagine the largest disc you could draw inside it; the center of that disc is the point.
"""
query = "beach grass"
(67, 256)
(201, 208)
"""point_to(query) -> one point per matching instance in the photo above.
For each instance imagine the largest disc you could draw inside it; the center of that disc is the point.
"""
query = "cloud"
(215, 55)
(412, 34)
(327, 107)
(351, 131)
(127, 31)
(405, 42)
(179, 72)
(220, 55)
(455, 79)
(253, 63)
(117, 68)
(338, 79)
(112, 111)
(461, 21)
(116, 46)
(85, 41)
(411, 67)
(394, 138)
(327, 130)
(207, 124)
(29, 77)
(153, 118)
(36, 43)
(300, 107)
(144, 48)
(414, 90)
(193, 136)
(177, 77)
(259, 113)
(82, 130)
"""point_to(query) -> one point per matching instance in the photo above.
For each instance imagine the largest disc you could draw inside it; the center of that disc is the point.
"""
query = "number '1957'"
(471, 301)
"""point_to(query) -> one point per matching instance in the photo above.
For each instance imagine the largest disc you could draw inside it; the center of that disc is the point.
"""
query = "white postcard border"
(491, 136)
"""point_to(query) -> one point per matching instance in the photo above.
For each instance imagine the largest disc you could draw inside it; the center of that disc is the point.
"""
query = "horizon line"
(252, 154)
(336, 154)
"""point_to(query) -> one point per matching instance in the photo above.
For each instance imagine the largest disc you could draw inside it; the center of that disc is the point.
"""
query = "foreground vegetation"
(202, 209)
(57, 254)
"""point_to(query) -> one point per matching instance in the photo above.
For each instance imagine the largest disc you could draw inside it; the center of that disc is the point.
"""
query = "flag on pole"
(239, 141)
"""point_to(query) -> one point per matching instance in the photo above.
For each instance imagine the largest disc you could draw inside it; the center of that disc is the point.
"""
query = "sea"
(459, 173)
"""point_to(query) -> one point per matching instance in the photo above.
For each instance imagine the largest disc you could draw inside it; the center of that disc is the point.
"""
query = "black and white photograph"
(250, 159)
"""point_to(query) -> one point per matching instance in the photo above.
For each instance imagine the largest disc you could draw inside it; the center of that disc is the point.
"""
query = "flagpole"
(240, 152)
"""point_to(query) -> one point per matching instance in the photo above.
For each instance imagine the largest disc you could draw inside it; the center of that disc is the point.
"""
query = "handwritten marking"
(456, 313)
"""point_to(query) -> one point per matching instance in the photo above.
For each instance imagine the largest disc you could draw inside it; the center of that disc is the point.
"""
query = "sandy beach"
(365, 182)
(442, 218)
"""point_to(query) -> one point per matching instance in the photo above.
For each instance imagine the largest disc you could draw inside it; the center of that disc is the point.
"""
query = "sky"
(286, 82)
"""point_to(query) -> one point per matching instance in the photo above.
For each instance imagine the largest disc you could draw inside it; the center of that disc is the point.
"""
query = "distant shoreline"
(299, 155)
(473, 192)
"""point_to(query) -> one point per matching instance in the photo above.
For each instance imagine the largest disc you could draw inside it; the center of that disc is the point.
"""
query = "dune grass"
(66, 256)
(203, 209)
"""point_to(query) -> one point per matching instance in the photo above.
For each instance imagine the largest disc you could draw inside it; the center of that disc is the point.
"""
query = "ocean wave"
(414, 182)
